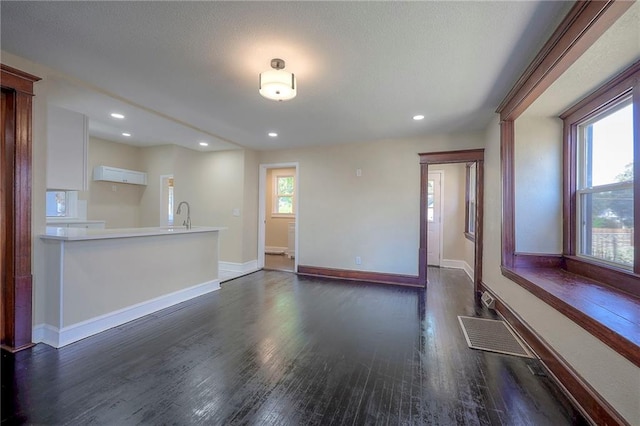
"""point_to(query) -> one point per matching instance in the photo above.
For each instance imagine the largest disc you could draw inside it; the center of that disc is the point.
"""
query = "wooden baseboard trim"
(13, 350)
(592, 405)
(364, 276)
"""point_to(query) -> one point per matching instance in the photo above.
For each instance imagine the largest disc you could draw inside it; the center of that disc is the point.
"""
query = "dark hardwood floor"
(274, 348)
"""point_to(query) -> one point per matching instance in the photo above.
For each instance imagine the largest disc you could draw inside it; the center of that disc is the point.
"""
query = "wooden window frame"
(559, 280)
(620, 87)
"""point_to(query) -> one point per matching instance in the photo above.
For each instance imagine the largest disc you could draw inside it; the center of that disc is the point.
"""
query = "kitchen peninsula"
(101, 278)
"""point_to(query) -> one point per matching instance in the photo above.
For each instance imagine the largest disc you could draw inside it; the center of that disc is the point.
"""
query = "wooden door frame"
(16, 293)
(445, 157)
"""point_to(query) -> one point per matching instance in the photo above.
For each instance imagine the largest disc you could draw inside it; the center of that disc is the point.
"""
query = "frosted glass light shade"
(278, 85)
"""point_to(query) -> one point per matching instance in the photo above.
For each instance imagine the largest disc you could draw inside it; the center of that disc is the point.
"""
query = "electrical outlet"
(358, 172)
(114, 188)
(358, 260)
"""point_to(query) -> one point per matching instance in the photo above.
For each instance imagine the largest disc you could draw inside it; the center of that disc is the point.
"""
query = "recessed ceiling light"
(273, 134)
(204, 144)
(418, 117)
(117, 115)
(126, 134)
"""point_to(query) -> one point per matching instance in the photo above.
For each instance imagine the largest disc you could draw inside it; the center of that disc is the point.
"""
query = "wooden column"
(15, 211)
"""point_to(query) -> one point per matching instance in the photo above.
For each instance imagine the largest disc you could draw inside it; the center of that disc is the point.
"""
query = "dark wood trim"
(507, 160)
(626, 281)
(609, 93)
(16, 80)
(531, 260)
(588, 304)
(636, 175)
(424, 225)
(583, 25)
(479, 246)
(593, 406)
(17, 87)
(364, 276)
(445, 157)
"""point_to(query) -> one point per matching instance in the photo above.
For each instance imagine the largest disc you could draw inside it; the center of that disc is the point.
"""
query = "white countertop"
(53, 220)
(83, 234)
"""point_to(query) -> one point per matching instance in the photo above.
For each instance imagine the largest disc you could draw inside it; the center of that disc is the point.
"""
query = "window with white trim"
(284, 195)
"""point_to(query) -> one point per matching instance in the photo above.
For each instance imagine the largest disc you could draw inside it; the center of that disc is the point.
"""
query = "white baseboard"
(58, 338)
(242, 268)
(458, 264)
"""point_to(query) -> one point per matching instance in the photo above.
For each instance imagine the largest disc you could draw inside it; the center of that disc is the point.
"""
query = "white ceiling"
(363, 68)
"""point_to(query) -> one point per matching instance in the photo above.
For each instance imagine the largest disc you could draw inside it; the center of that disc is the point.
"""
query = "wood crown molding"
(583, 25)
(17, 80)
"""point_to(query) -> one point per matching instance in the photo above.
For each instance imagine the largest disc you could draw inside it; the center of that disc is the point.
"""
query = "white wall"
(610, 374)
(250, 210)
(538, 182)
(156, 161)
(119, 208)
(375, 216)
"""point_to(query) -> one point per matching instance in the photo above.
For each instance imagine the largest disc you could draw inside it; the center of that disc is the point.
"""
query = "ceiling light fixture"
(277, 84)
(418, 117)
(126, 134)
(273, 134)
(204, 144)
(117, 115)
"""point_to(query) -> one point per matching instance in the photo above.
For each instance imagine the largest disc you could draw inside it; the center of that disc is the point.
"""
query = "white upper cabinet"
(67, 147)
(114, 174)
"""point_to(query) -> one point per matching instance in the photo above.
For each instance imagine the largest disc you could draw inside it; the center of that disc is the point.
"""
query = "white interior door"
(434, 218)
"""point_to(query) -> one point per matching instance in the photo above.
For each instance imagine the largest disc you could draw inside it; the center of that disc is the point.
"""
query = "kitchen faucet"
(187, 222)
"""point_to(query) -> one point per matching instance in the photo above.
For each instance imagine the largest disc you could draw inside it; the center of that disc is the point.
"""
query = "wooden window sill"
(611, 315)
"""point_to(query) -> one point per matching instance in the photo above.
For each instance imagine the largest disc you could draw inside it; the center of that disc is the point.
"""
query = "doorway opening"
(472, 165)
(278, 218)
(166, 200)
(451, 216)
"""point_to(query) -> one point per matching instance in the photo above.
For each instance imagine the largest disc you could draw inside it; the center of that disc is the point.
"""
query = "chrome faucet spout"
(187, 221)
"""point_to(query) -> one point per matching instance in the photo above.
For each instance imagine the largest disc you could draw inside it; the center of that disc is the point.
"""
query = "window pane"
(285, 185)
(285, 205)
(56, 203)
(608, 226)
(608, 147)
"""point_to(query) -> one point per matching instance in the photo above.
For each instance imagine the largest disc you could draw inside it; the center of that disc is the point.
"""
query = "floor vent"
(493, 336)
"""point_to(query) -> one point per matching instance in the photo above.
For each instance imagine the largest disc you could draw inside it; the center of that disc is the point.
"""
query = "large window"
(602, 142)
(604, 197)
